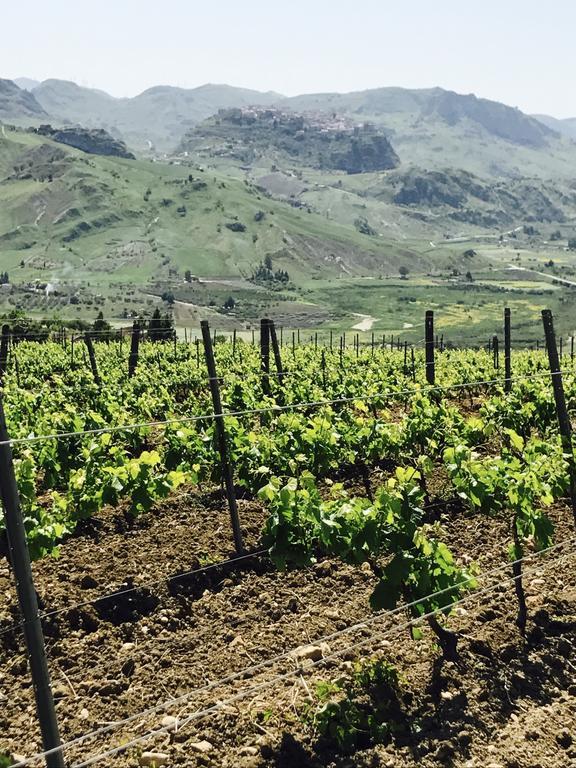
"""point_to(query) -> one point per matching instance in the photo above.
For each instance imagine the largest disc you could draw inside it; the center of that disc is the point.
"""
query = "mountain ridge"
(16, 103)
(431, 127)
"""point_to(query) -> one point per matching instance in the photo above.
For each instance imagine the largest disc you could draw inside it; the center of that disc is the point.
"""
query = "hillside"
(436, 128)
(16, 104)
(95, 141)
(567, 127)
(466, 198)
(159, 116)
(430, 128)
(107, 232)
(320, 141)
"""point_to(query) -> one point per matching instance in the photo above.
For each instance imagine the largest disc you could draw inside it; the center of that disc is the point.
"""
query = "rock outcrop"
(94, 141)
(319, 140)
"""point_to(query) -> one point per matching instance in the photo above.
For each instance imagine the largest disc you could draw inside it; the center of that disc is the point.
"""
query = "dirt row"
(508, 703)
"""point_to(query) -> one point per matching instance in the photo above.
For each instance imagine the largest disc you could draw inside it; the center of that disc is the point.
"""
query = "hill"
(16, 104)
(159, 116)
(112, 233)
(26, 83)
(462, 197)
(567, 126)
(429, 128)
(436, 128)
(320, 141)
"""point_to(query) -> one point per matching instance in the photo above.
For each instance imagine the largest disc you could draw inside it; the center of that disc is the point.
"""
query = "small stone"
(127, 647)
(311, 652)
(154, 758)
(249, 751)
(84, 714)
(446, 695)
(236, 642)
(170, 723)
(201, 746)
(324, 568)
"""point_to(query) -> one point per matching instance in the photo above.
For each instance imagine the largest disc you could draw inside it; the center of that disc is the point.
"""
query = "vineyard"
(283, 554)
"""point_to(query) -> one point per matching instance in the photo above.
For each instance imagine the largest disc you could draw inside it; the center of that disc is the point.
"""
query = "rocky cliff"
(322, 141)
(95, 141)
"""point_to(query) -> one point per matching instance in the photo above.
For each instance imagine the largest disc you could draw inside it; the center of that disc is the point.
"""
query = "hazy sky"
(520, 52)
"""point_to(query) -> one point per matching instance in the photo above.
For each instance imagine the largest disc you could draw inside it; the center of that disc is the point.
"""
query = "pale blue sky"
(521, 52)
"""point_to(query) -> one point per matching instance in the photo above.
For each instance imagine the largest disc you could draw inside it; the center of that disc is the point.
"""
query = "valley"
(348, 200)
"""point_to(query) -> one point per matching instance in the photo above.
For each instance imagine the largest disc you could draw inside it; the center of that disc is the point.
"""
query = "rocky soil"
(239, 649)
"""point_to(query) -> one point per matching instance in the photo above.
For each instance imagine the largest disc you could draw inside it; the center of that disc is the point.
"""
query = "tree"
(160, 328)
(469, 276)
(268, 262)
(572, 244)
(230, 303)
(403, 272)
(100, 325)
(188, 276)
(168, 297)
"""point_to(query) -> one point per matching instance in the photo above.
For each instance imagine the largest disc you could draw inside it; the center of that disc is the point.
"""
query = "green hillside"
(81, 232)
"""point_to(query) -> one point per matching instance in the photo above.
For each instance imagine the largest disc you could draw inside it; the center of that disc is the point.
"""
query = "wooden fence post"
(19, 557)
(92, 357)
(221, 436)
(507, 351)
(495, 351)
(4, 346)
(265, 354)
(134, 350)
(429, 346)
(276, 351)
(560, 399)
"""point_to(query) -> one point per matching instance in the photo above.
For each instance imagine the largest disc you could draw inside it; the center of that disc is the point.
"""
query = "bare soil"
(202, 638)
